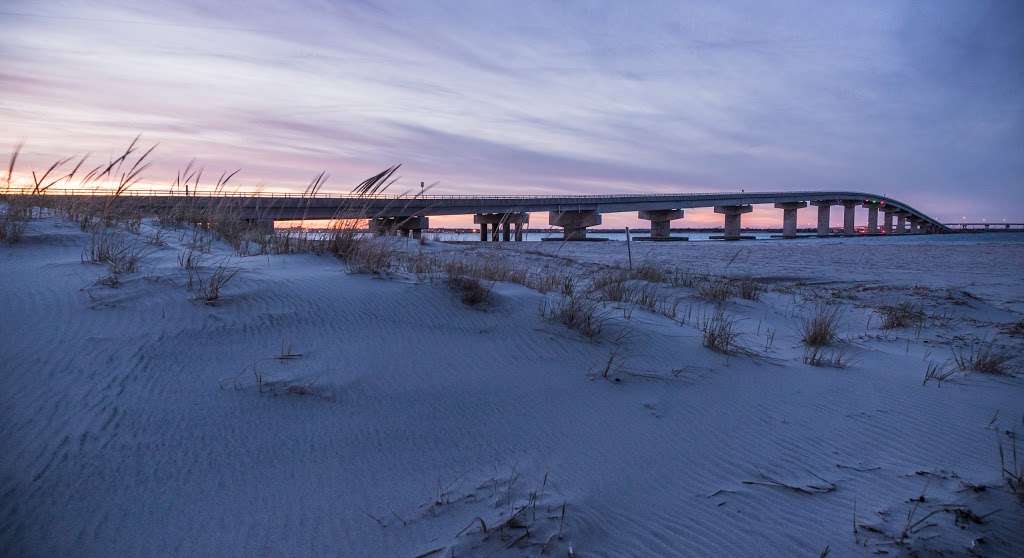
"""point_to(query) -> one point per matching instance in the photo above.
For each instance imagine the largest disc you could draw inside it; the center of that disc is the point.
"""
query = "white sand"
(132, 424)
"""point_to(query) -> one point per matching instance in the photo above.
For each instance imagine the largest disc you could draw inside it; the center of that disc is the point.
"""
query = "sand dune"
(137, 421)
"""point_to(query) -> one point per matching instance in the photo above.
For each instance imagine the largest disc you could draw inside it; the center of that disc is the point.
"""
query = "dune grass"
(719, 332)
(983, 356)
(821, 327)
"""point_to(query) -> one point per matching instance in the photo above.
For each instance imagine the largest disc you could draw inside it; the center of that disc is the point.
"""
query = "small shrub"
(821, 328)
(984, 357)
(719, 332)
(901, 315)
(470, 290)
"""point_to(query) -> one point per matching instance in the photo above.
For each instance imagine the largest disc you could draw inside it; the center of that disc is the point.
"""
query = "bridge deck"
(287, 206)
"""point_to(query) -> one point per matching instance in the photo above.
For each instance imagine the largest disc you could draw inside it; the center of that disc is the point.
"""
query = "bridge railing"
(411, 194)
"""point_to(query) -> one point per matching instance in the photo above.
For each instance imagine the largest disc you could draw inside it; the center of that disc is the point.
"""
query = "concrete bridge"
(505, 216)
(986, 227)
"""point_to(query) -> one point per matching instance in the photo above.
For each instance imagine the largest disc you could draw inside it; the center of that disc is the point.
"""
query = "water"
(986, 237)
(557, 235)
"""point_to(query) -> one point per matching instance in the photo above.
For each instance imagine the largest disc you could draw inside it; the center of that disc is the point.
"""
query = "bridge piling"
(574, 223)
(872, 208)
(887, 223)
(824, 214)
(789, 217)
(500, 225)
(849, 213)
(732, 214)
(661, 221)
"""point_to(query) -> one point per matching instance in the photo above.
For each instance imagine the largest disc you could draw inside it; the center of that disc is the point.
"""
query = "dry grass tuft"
(818, 356)
(113, 250)
(13, 221)
(719, 332)
(748, 288)
(982, 356)
(714, 290)
(470, 290)
(651, 273)
(821, 327)
(903, 314)
(577, 313)
(369, 256)
(209, 290)
(938, 373)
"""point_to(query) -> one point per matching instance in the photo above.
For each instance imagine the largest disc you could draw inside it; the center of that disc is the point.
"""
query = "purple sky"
(920, 101)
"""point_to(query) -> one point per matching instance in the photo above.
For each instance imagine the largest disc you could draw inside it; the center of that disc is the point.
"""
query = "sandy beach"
(314, 409)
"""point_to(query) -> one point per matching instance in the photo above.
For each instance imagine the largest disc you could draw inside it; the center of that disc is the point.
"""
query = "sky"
(919, 101)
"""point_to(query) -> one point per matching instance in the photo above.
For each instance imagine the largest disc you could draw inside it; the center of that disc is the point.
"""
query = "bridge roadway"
(408, 213)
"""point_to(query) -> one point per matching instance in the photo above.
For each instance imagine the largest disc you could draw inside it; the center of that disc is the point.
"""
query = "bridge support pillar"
(399, 226)
(872, 208)
(849, 213)
(789, 217)
(732, 219)
(915, 225)
(887, 226)
(574, 223)
(661, 221)
(824, 213)
(901, 223)
(501, 225)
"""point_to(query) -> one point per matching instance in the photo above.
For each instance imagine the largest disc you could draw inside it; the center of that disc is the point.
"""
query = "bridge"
(505, 216)
(986, 226)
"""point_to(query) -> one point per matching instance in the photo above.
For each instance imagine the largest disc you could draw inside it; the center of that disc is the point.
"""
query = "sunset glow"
(539, 98)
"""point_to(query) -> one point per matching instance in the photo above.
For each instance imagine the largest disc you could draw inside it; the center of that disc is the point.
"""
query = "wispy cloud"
(917, 101)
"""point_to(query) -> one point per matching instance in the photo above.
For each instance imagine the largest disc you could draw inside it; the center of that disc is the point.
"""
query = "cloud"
(921, 102)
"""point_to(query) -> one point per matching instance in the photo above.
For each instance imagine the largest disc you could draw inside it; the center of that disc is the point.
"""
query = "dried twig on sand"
(804, 489)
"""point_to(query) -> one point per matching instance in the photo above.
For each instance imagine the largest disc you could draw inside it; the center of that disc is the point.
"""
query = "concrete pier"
(901, 223)
(872, 208)
(661, 221)
(824, 214)
(500, 225)
(399, 226)
(887, 224)
(574, 223)
(789, 217)
(732, 219)
(849, 213)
